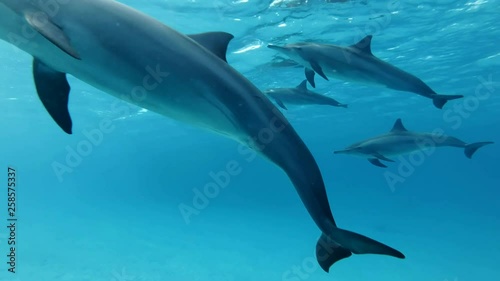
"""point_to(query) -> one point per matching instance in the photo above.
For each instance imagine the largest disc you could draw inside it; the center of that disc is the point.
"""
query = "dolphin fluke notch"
(470, 149)
(340, 244)
(440, 100)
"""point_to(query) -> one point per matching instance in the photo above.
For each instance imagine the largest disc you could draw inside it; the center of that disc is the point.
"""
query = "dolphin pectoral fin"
(440, 100)
(281, 104)
(310, 76)
(382, 157)
(51, 32)
(470, 149)
(317, 68)
(377, 162)
(339, 244)
(328, 252)
(215, 42)
(53, 90)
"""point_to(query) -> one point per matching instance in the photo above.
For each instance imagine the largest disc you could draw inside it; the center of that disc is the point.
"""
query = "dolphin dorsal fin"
(398, 126)
(365, 45)
(302, 85)
(216, 42)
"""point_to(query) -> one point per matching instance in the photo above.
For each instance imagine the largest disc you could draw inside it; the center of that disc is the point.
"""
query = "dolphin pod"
(138, 59)
(400, 141)
(356, 63)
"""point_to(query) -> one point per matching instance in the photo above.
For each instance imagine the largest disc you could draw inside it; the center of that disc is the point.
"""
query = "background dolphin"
(300, 95)
(356, 63)
(136, 58)
(401, 141)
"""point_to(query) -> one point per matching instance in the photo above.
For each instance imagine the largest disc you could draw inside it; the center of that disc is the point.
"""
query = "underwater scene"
(231, 140)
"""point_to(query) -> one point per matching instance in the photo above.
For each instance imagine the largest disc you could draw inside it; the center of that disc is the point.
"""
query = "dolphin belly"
(399, 144)
(348, 73)
(371, 71)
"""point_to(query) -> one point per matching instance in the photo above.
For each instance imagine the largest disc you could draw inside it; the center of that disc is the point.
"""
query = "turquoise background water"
(115, 216)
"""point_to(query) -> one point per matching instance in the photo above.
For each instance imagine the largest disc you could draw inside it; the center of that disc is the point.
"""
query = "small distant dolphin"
(356, 63)
(401, 141)
(134, 57)
(300, 95)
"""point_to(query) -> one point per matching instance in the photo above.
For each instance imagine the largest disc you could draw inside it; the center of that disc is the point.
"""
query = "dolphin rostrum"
(400, 141)
(300, 95)
(356, 63)
(136, 58)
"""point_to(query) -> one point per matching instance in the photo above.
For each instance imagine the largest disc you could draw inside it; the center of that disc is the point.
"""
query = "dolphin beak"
(341, 151)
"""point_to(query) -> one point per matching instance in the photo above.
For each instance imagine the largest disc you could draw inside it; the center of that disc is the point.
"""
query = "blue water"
(115, 215)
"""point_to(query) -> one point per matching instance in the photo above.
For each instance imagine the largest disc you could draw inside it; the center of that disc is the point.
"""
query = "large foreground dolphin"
(400, 141)
(356, 63)
(300, 95)
(136, 58)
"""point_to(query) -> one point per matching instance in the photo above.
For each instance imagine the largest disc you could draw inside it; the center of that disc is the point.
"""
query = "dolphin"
(136, 58)
(400, 141)
(300, 95)
(356, 63)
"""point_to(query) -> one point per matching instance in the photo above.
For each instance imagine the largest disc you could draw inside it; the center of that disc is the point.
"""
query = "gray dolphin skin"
(300, 95)
(400, 141)
(356, 63)
(134, 57)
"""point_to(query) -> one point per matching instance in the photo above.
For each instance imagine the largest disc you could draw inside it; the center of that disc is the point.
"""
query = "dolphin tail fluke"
(440, 100)
(340, 244)
(328, 252)
(470, 149)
